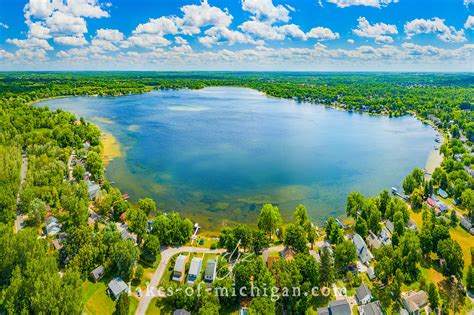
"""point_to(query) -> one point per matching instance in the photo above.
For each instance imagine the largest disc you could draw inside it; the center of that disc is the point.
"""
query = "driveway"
(160, 270)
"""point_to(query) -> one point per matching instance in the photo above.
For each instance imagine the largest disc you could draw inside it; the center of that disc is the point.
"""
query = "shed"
(97, 273)
(443, 193)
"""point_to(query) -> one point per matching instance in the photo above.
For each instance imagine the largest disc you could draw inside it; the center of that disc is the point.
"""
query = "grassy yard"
(466, 241)
(97, 300)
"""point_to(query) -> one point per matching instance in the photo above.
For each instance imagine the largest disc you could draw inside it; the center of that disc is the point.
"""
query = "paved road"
(19, 217)
(165, 258)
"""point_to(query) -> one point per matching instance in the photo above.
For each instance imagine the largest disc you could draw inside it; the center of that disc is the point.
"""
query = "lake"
(217, 154)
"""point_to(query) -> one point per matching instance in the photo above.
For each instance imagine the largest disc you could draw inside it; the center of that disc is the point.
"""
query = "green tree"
(433, 296)
(151, 248)
(384, 201)
(417, 199)
(361, 227)
(123, 305)
(408, 255)
(470, 278)
(355, 203)
(344, 254)
(37, 210)
(295, 237)
(409, 184)
(78, 172)
(451, 252)
(147, 205)
(94, 165)
(124, 255)
(259, 241)
(261, 305)
(243, 233)
(326, 268)
(301, 216)
(138, 222)
(269, 219)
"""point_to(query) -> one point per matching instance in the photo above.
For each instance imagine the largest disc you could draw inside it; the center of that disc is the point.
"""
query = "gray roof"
(372, 309)
(323, 311)
(98, 272)
(466, 223)
(180, 263)
(117, 286)
(373, 241)
(181, 312)
(340, 307)
(195, 267)
(210, 272)
(413, 301)
(362, 292)
(361, 248)
(389, 226)
(371, 273)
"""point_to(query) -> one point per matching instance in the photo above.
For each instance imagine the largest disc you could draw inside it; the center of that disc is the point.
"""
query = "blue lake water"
(217, 154)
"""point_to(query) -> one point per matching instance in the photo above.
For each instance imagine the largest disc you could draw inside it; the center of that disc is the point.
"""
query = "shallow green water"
(217, 154)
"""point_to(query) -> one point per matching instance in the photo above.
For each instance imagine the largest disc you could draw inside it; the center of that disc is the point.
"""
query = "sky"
(243, 35)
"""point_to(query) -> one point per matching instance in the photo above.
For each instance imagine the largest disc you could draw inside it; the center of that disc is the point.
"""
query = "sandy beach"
(111, 148)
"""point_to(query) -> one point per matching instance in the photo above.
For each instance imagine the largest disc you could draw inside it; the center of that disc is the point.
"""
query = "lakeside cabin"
(210, 272)
(194, 270)
(117, 287)
(180, 268)
(97, 273)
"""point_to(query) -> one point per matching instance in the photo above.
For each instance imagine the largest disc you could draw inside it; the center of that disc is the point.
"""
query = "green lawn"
(97, 300)
(466, 241)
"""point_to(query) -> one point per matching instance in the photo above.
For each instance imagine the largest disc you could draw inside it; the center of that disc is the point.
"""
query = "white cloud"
(71, 40)
(30, 54)
(3, 25)
(261, 30)
(379, 31)
(219, 34)
(434, 26)
(109, 35)
(39, 31)
(291, 30)
(65, 23)
(322, 33)
(350, 41)
(85, 8)
(367, 3)
(163, 25)
(197, 16)
(266, 10)
(5, 54)
(30, 43)
(150, 41)
(468, 2)
(469, 22)
(42, 9)
(180, 41)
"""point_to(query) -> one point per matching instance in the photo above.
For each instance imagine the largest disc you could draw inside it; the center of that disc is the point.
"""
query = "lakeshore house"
(361, 248)
(467, 225)
(179, 268)
(384, 236)
(443, 193)
(92, 189)
(338, 307)
(363, 294)
(181, 312)
(97, 273)
(414, 302)
(53, 226)
(210, 272)
(373, 308)
(373, 241)
(390, 227)
(194, 270)
(117, 287)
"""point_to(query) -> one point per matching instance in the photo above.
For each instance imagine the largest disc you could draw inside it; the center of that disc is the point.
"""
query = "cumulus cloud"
(163, 25)
(469, 22)
(322, 33)
(266, 10)
(468, 2)
(220, 34)
(261, 30)
(71, 40)
(109, 35)
(197, 16)
(350, 41)
(30, 43)
(367, 3)
(3, 25)
(379, 31)
(434, 26)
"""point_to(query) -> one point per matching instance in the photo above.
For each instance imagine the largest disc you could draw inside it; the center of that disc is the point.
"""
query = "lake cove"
(217, 154)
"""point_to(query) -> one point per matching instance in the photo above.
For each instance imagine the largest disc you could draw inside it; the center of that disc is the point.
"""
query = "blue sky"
(316, 35)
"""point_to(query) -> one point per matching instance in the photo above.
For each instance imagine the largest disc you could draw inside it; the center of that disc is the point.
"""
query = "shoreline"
(111, 148)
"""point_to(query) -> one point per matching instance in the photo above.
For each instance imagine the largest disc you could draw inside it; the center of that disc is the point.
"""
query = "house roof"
(323, 311)
(361, 248)
(210, 269)
(362, 292)
(465, 223)
(371, 273)
(180, 263)
(195, 267)
(389, 226)
(340, 307)
(98, 272)
(415, 300)
(372, 309)
(181, 312)
(373, 241)
(117, 286)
